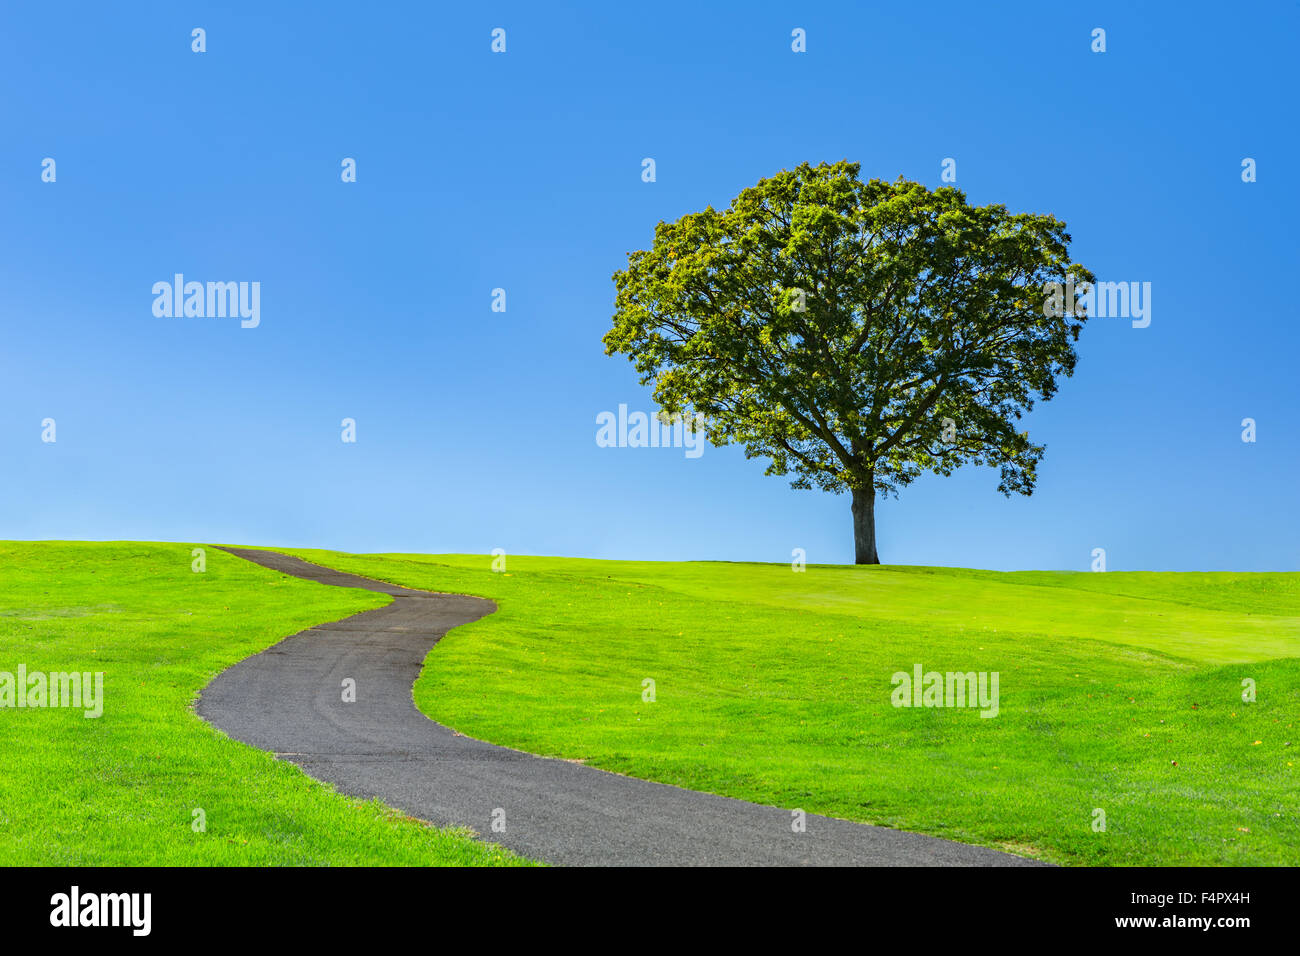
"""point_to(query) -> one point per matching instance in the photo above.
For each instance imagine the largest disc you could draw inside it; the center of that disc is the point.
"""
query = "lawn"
(1119, 692)
(124, 788)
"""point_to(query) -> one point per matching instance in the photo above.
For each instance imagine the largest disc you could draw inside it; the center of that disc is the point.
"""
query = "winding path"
(288, 700)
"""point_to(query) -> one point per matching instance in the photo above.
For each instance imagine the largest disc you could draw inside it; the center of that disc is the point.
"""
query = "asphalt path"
(289, 700)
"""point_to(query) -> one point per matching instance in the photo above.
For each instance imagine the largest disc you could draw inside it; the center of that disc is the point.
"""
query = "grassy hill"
(122, 789)
(1119, 692)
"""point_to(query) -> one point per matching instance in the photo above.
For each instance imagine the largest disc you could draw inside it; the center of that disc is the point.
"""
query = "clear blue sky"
(522, 170)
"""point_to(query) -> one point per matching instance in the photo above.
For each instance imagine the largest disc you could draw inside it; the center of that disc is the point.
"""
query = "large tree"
(855, 333)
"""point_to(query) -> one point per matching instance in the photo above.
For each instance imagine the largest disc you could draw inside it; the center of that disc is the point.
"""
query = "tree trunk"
(864, 526)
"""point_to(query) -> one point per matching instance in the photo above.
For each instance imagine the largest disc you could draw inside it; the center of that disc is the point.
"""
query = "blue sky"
(522, 171)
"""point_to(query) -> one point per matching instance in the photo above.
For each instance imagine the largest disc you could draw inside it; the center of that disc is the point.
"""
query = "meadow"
(148, 782)
(1122, 695)
(1142, 718)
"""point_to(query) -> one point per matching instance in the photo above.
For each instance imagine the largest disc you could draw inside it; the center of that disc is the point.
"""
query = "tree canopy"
(855, 333)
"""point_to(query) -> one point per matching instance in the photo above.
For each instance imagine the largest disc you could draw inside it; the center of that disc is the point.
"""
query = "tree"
(855, 333)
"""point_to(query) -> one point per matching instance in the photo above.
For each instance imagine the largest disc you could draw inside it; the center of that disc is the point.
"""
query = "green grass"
(1118, 691)
(122, 789)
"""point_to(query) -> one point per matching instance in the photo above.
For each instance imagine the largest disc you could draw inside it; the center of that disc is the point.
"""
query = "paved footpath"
(288, 700)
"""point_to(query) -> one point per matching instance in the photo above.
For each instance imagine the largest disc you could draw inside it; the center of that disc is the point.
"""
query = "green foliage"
(831, 325)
